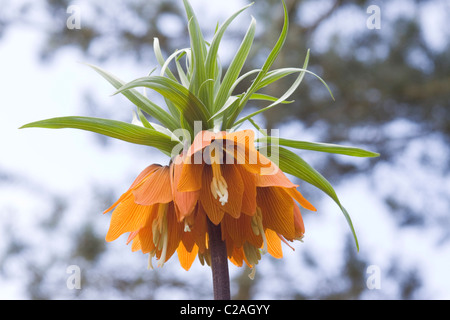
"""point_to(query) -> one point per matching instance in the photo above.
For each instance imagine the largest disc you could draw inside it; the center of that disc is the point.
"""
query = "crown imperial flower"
(223, 192)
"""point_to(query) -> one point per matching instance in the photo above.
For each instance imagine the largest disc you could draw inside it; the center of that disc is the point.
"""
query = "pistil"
(219, 187)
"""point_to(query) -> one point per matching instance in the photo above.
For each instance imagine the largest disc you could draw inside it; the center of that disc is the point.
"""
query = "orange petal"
(240, 231)
(235, 189)
(277, 179)
(202, 140)
(242, 138)
(190, 178)
(199, 228)
(147, 171)
(128, 217)
(294, 193)
(132, 235)
(249, 194)
(247, 155)
(122, 198)
(298, 222)
(136, 245)
(188, 240)
(155, 188)
(273, 244)
(277, 209)
(240, 149)
(184, 201)
(174, 232)
(143, 241)
(186, 257)
(237, 256)
(211, 206)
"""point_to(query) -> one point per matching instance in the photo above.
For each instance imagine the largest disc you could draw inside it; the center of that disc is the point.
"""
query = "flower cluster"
(221, 178)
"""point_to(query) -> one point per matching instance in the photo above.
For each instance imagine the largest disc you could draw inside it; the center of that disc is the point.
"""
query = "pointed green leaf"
(321, 147)
(161, 60)
(265, 68)
(283, 72)
(231, 102)
(165, 66)
(138, 116)
(111, 128)
(140, 100)
(286, 95)
(181, 73)
(190, 107)
(198, 49)
(266, 97)
(235, 67)
(214, 48)
(211, 64)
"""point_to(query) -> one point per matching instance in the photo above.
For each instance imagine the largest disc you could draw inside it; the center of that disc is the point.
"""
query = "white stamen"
(162, 259)
(264, 249)
(186, 226)
(258, 228)
(160, 235)
(214, 187)
(219, 189)
(251, 275)
(150, 257)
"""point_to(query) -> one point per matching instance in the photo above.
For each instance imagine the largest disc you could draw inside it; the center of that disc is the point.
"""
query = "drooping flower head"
(219, 175)
(223, 178)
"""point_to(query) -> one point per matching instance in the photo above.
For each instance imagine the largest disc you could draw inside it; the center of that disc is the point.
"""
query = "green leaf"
(265, 97)
(174, 56)
(139, 115)
(211, 64)
(231, 102)
(214, 48)
(181, 73)
(166, 71)
(111, 128)
(235, 67)
(283, 72)
(321, 147)
(286, 95)
(140, 100)
(266, 66)
(190, 107)
(291, 163)
(243, 77)
(198, 49)
(160, 59)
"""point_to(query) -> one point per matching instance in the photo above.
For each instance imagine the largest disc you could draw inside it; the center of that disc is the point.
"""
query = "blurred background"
(391, 84)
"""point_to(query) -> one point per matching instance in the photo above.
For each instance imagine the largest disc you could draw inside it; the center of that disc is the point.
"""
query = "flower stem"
(219, 263)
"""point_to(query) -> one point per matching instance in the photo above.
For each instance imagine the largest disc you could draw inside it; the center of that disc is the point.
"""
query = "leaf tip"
(28, 125)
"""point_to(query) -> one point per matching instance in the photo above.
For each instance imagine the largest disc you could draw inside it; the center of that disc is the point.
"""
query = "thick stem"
(219, 263)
